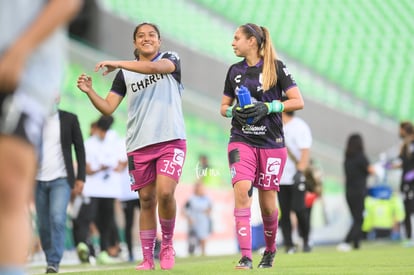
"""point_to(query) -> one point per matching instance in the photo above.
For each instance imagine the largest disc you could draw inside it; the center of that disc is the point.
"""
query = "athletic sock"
(270, 230)
(148, 243)
(243, 231)
(167, 230)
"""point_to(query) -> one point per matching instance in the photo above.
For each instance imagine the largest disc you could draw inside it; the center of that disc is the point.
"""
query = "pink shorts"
(263, 167)
(166, 158)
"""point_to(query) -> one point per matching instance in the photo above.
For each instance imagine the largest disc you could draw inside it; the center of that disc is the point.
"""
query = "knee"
(165, 196)
(269, 211)
(59, 220)
(148, 202)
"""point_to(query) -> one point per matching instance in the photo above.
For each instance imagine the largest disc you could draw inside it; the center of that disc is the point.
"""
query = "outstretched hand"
(107, 66)
(84, 83)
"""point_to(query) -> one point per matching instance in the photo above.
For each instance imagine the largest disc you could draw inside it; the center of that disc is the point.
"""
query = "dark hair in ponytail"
(266, 50)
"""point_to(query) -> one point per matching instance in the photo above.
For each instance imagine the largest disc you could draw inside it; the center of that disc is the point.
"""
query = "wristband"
(229, 111)
(275, 106)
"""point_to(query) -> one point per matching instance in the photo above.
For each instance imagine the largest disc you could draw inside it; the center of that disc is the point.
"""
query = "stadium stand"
(363, 46)
(351, 45)
(339, 48)
(171, 17)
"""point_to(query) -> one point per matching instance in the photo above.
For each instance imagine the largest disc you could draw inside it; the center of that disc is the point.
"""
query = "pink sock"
(243, 231)
(270, 230)
(148, 243)
(167, 231)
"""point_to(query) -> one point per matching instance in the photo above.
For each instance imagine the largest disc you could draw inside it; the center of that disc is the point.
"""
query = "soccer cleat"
(343, 247)
(267, 259)
(244, 263)
(167, 256)
(292, 249)
(51, 269)
(83, 252)
(307, 248)
(145, 265)
(104, 258)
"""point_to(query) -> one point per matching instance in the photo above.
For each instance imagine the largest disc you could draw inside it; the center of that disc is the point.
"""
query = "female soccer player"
(155, 157)
(256, 151)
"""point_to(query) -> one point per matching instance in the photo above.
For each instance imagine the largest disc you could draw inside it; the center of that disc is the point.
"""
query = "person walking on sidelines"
(256, 150)
(406, 163)
(357, 168)
(155, 158)
(407, 179)
(32, 57)
(298, 138)
(57, 182)
(82, 213)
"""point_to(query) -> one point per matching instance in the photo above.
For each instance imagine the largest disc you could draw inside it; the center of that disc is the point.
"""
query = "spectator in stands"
(256, 150)
(357, 168)
(298, 141)
(32, 57)
(57, 181)
(155, 157)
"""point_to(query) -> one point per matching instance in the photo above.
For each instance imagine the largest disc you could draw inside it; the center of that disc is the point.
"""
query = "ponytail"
(266, 51)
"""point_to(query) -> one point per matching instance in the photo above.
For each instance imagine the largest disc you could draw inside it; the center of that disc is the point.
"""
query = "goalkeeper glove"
(259, 110)
(236, 113)
(299, 180)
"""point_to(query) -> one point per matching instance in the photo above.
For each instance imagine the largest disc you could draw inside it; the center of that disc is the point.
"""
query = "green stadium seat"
(334, 38)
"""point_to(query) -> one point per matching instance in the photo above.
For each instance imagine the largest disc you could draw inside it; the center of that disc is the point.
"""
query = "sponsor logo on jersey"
(178, 156)
(237, 78)
(273, 166)
(254, 130)
(151, 79)
(242, 231)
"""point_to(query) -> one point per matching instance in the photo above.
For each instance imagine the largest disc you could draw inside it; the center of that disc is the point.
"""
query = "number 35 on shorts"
(175, 164)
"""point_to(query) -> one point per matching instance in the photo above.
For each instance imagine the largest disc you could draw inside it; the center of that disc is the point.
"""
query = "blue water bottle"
(245, 99)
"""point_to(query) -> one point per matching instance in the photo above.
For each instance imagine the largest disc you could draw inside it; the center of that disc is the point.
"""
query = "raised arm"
(162, 66)
(104, 105)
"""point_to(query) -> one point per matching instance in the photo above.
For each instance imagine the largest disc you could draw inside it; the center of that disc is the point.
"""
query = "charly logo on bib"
(273, 166)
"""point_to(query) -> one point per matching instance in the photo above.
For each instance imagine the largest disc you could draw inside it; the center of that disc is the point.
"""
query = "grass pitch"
(373, 258)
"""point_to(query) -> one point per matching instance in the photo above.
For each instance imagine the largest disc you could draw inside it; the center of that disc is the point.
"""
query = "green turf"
(372, 258)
